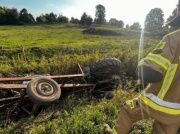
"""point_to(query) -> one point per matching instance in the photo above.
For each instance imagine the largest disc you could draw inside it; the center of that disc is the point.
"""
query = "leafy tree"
(2, 16)
(100, 14)
(50, 17)
(172, 16)
(86, 20)
(118, 23)
(154, 21)
(23, 11)
(127, 26)
(25, 17)
(9, 16)
(31, 17)
(12, 16)
(135, 26)
(63, 19)
(73, 20)
(112, 21)
(40, 18)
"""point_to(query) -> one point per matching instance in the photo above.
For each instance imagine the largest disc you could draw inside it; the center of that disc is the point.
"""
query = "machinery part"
(105, 68)
(106, 65)
(105, 73)
(43, 90)
(117, 81)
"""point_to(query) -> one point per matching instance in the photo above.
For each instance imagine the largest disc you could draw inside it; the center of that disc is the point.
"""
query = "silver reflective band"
(158, 101)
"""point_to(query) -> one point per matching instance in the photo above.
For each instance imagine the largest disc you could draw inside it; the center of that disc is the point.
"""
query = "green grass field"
(57, 48)
(51, 45)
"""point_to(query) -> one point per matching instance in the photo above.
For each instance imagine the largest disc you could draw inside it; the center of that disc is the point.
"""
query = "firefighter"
(161, 98)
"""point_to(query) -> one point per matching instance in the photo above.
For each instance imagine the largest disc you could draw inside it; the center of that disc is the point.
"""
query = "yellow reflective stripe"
(161, 57)
(157, 107)
(159, 63)
(167, 80)
(160, 60)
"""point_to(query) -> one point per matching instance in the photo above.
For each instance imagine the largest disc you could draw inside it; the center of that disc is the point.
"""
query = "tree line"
(154, 21)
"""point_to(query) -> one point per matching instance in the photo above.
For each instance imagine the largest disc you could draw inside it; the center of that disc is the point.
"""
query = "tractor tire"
(43, 90)
(105, 68)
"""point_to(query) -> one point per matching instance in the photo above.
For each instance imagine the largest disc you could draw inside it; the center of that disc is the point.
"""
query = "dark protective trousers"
(131, 112)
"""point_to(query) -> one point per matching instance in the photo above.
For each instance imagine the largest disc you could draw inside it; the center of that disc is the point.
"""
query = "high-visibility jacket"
(162, 99)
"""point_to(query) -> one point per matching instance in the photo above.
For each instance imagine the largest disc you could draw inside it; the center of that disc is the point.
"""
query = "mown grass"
(56, 49)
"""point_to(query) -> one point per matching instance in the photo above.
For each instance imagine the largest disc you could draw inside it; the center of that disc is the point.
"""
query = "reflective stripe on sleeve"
(167, 80)
(156, 103)
(160, 60)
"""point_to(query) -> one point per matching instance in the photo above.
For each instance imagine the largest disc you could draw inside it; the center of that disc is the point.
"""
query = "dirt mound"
(103, 32)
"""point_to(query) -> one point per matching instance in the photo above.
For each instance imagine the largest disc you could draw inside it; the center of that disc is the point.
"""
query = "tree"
(172, 16)
(73, 20)
(23, 11)
(154, 21)
(12, 16)
(50, 17)
(127, 26)
(2, 16)
(112, 21)
(63, 19)
(25, 17)
(40, 18)
(100, 14)
(135, 26)
(86, 20)
(118, 23)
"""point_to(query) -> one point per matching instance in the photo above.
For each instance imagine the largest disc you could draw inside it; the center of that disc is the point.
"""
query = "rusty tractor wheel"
(43, 90)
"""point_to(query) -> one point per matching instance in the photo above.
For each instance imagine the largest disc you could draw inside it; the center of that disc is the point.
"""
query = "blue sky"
(129, 11)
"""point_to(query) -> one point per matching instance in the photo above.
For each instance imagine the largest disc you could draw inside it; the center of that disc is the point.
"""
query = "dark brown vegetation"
(102, 32)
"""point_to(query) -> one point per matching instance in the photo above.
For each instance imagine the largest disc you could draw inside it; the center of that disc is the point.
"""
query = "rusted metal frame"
(13, 99)
(10, 98)
(13, 86)
(30, 78)
(22, 86)
(26, 110)
(31, 112)
(82, 72)
(100, 82)
(34, 109)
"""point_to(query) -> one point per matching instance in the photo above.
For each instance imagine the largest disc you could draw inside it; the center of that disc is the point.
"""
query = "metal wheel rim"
(45, 89)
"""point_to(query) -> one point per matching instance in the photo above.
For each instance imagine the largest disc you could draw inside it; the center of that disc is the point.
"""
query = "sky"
(129, 11)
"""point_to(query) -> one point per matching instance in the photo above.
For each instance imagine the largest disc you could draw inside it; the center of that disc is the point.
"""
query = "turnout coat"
(162, 99)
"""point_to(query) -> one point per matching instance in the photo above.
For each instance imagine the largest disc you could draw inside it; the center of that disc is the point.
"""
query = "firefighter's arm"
(152, 68)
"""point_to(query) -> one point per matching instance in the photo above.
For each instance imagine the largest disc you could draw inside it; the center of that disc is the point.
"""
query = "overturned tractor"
(30, 93)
